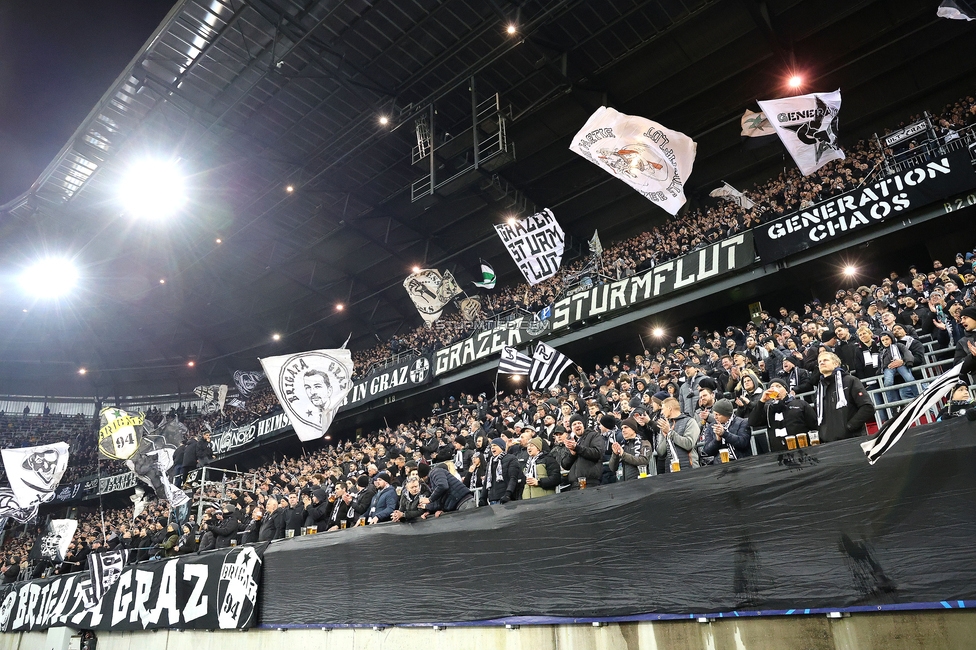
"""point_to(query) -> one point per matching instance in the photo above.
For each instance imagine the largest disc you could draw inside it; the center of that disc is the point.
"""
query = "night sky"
(57, 58)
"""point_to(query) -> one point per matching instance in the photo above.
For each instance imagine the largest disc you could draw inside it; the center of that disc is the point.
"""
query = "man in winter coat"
(729, 431)
(542, 473)
(781, 415)
(447, 493)
(688, 391)
(294, 515)
(585, 458)
(843, 406)
(501, 475)
(226, 528)
(317, 508)
(634, 453)
(385, 501)
(272, 523)
(678, 436)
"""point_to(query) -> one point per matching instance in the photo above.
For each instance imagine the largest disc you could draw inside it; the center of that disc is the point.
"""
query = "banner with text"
(536, 244)
(408, 374)
(889, 197)
(676, 275)
(215, 591)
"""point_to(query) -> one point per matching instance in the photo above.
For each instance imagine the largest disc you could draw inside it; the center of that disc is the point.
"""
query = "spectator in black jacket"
(797, 379)
(317, 508)
(226, 527)
(294, 515)
(501, 475)
(272, 522)
(447, 493)
(585, 457)
(781, 415)
(843, 406)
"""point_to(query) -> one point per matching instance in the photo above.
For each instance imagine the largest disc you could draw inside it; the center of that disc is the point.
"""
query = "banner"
(214, 591)
(52, 544)
(548, 364)
(470, 308)
(807, 126)
(679, 274)
(891, 196)
(956, 10)
(431, 291)
(213, 398)
(34, 472)
(596, 246)
(811, 528)
(246, 381)
(392, 379)
(119, 433)
(536, 243)
(105, 568)
(652, 159)
(311, 386)
(904, 133)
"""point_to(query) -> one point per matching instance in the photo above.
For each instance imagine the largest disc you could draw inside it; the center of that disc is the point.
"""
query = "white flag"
(956, 10)
(34, 472)
(596, 246)
(652, 159)
(311, 387)
(57, 539)
(512, 362)
(431, 291)
(213, 397)
(735, 196)
(547, 365)
(755, 125)
(807, 126)
(536, 244)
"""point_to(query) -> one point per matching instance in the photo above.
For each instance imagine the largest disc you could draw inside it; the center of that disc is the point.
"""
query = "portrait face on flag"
(313, 383)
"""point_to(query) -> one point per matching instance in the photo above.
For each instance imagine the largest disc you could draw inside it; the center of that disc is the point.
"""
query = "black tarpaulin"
(812, 528)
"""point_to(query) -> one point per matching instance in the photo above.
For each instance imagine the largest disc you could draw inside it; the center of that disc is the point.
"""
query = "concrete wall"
(936, 630)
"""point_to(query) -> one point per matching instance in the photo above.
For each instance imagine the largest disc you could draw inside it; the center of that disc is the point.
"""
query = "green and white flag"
(488, 276)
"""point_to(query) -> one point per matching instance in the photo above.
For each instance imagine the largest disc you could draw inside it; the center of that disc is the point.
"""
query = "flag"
(470, 308)
(596, 246)
(118, 433)
(547, 365)
(807, 126)
(892, 430)
(213, 397)
(512, 362)
(311, 386)
(34, 472)
(430, 291)
(52, 544)
(247, 381)
(105, 568)
(487, 276)
(731, 194)
(11, 509)
(152, 462)
(652, 159)
(236, 403)
(536, 244)
(956, 10)
(755, 125)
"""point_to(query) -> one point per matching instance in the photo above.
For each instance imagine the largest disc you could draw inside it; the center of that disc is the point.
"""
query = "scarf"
(530, 470)
(895, 352)
(794, 378)
(821, 389)
(459, 460)
(494, 472)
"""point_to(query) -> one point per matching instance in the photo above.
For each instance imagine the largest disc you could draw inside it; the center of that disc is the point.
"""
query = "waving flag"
(535, 243)
(246, 382)
(119, 433)
(487, 276)
(430, 291)
(34, 472)
(652, 159)
(547, 365)
(807, 126)
(729, 193)
(213, 397)
(956, 10)
(512, 362)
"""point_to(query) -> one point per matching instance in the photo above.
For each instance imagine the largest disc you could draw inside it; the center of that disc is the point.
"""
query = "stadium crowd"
(690, 403)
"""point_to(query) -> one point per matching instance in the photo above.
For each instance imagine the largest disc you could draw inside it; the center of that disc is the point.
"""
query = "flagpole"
(643, 347)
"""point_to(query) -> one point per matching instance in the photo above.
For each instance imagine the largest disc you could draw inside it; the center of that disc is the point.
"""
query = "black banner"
(408, 374)
(890, 197)
(816, 527)
(679, 274)
(214, 591)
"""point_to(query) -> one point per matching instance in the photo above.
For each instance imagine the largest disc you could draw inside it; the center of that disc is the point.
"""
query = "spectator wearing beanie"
(781, 415)
(447, 492)
(385, 501)
(631, 455)
(501, 474)
(363, 498)
(966, 347)
(729, 431)
(585, 458)
(542, 474)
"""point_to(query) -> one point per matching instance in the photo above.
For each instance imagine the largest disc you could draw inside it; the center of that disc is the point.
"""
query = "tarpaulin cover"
(812, 528)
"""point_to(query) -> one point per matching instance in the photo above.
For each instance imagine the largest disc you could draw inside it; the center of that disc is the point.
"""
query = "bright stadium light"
(384, 120)
(276, 337)
(795, 81)
(51, 277)
(511, 221)
(340, 306)
(658, 332)
(850, 271)
(82, 371)
(416, 269)
(511, 29)
(153, 189)
(191, 363)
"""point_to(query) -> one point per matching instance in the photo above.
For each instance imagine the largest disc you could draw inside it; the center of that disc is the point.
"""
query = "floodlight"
(511, 29)
(658, 332)
(162, 280)
(290, 188)
(340, 307)
(153, 189)
(51, 277)
(219, 240)
(276, 337)
(795, 81)
(82, 371)
(511, 221)
(850, 271)
(416, 269)
(384, 120)
(191, 363)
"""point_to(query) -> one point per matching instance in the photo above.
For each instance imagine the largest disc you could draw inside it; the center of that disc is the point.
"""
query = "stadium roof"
(254, 96)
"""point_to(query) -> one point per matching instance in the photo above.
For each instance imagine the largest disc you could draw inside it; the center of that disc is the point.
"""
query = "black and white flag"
(53, 544)
(34, 473)
(105, 568)
(311, 386)
(152, 462)
(956, 10)
(213, 397)
(247, 381)
(430, 290)
(512, 362)
(892, 430)
(596, 246)
(729, 193)
(470, 308)
(807, 126)
(651, 158)
(547, 365)
(536, 244)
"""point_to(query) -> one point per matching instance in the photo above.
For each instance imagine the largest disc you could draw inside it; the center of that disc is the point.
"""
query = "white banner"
(311, 387)
(55, 542)
(34, 472)
(431, 291)
(652, 159)
(807, 125)
(535, 243)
